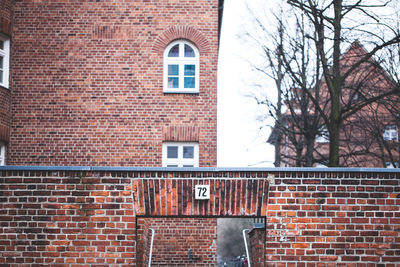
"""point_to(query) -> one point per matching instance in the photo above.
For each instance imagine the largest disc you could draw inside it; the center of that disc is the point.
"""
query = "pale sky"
(240, 141)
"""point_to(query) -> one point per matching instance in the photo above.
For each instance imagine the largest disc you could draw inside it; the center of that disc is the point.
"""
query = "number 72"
(202, 191)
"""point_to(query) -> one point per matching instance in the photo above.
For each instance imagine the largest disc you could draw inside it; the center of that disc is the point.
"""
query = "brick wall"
(5, 118)
(231, 195)
(59, 217)
(180, 241)
(166, 194)
(143, 241)
(87, 81)
(6, 13)
(87, 216)
(256, 247)
(334, 219)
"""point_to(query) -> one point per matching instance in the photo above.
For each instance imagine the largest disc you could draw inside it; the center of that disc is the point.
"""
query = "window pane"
(390, 133)
(1, 45)
(172, 152)
(172, 166)
(1, 70)
(2, 154)
(188, 152)
(180, 154)
(174, 51)
(189, 52)
(173, 82)
(190, 70)
(323, 136)
(189, 82)
(386, 136)
(390, 165)
(173, 69)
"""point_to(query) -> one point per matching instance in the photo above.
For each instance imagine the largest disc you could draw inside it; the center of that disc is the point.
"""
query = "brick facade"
(5, 95)
(337, 217)
(257, 247)
(179, 241)
(87, 81)
(5, 118)
(6, 13)
(163, 196)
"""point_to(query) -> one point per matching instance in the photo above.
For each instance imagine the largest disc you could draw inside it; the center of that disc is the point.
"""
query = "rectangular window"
(3, 149)
(323, 136)
(390, 133)
(180, 154)
(390, 164)
(4, 60)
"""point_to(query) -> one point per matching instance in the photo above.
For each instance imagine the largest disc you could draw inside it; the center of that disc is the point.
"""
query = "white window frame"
(320, 165)
(181, 60)
(323, 137)
(390, 165)
(3, 149)
(180, 161)
(5, 54)
(391, 133)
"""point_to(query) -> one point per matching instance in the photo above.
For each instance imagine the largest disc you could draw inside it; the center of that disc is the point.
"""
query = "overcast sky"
(240, 141)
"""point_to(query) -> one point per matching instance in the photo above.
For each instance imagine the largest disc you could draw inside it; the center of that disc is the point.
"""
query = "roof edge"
(217, 169)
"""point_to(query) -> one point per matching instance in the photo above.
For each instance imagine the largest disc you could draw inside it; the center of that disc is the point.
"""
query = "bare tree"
(334, 26)
(322, 84)
(290, 64)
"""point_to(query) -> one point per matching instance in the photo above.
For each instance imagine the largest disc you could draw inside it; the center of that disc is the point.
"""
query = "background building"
(369, 137)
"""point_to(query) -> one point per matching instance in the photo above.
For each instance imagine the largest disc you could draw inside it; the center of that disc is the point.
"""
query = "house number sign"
(202, 191)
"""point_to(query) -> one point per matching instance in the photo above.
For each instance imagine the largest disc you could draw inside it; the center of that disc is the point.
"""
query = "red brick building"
(91, 82)
(133, 83)
(369, 137)
(112, 83)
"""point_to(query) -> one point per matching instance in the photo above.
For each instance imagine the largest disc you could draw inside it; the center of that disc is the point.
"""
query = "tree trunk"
(335, 90)
(309, 157)
(278, 150)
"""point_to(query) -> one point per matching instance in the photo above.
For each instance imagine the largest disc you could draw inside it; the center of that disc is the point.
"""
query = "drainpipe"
(151, 245)
(245, 245)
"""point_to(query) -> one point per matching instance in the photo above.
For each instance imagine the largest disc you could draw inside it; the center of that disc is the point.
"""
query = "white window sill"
(181, 91)
(5, 87)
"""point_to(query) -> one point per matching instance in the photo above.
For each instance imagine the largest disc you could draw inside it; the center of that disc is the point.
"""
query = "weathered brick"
(111, 110)
(319, 237)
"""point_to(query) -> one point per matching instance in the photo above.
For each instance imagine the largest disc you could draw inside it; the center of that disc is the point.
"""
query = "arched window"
(181, 68)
